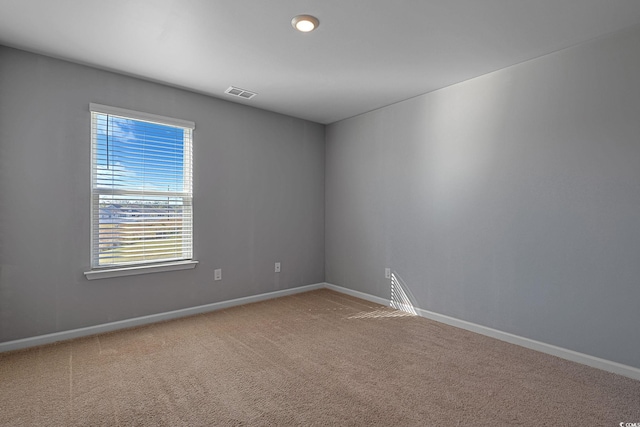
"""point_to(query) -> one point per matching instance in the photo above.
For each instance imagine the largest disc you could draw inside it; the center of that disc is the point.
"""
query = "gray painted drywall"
(511, 200)
(258, 199)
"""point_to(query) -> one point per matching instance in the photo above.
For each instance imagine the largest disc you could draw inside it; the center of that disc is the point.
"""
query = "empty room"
(411, 213)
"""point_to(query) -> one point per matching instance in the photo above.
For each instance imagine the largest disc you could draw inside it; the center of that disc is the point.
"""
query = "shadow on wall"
(401, 296)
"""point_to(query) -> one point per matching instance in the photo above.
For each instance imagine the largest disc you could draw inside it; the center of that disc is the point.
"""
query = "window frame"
(125, 269)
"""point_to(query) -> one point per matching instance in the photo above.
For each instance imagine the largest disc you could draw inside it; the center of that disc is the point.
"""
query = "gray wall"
(258, 199)
(511, 200)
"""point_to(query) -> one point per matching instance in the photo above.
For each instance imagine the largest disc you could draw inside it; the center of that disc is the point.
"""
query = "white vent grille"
(241, 93)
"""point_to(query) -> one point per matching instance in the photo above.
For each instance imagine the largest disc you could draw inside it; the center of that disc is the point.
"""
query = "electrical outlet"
(217, 274)
(277, 267)
(387, 273)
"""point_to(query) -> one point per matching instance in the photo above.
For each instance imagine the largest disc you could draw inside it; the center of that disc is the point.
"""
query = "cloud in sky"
(138, 155)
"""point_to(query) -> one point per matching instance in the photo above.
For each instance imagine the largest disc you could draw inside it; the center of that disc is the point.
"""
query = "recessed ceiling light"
(305, 23)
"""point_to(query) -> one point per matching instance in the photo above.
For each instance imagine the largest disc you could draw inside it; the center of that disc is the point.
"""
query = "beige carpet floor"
(318, 358)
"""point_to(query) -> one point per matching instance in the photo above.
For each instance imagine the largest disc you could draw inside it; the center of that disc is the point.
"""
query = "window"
(141, 188)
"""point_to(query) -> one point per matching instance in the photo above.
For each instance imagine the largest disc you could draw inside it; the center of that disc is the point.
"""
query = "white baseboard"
(574, 356)
(144, 320)
(357, 294)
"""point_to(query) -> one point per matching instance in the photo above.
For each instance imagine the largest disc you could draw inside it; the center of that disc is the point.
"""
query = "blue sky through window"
(138, 155)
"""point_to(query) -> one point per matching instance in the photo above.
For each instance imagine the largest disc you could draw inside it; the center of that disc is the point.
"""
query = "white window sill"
(140, 269)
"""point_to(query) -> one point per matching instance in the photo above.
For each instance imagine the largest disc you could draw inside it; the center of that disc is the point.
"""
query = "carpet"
(316, 358)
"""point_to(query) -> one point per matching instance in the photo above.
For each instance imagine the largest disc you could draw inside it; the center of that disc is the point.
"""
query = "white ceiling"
(365, 54)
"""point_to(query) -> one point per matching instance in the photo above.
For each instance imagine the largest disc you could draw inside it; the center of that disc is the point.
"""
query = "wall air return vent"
(241, 93)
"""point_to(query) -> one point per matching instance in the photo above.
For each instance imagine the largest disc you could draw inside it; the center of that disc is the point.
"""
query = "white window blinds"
(141, 188)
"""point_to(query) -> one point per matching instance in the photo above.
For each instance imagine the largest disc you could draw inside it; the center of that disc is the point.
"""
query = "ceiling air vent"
(242, 93)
